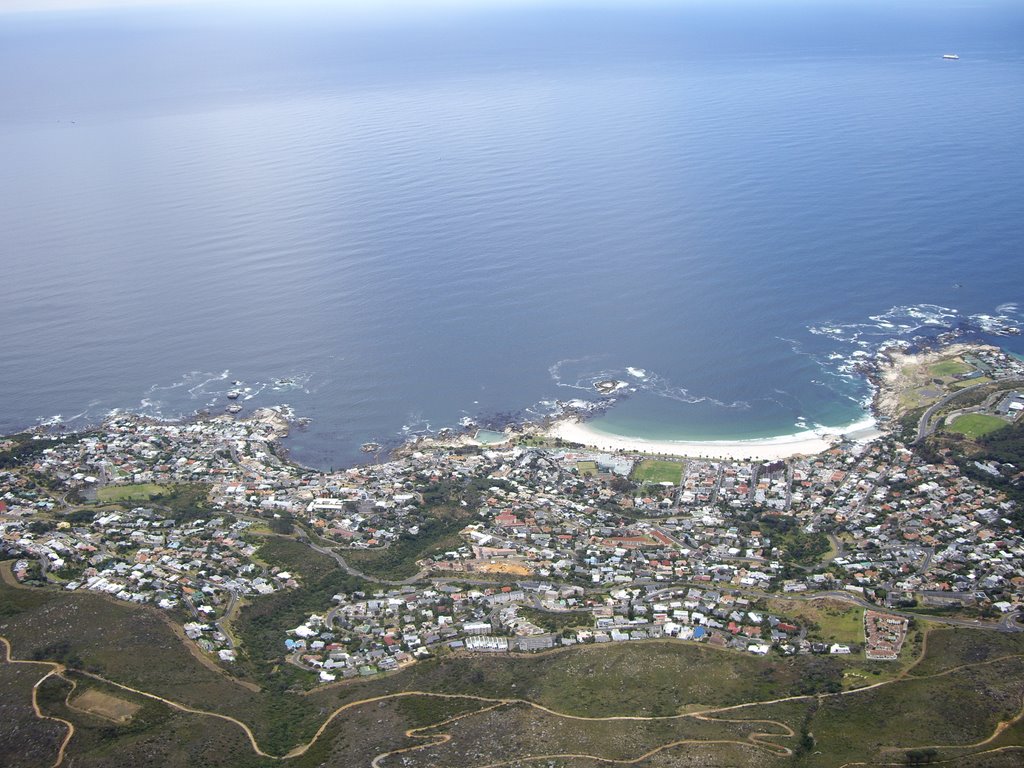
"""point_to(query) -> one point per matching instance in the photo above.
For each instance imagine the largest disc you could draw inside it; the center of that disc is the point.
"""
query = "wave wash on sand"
(763, 449)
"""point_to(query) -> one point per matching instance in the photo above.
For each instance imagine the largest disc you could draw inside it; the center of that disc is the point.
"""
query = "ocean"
(396, 221)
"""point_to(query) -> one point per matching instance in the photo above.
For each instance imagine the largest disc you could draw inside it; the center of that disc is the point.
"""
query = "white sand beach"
(766, 449)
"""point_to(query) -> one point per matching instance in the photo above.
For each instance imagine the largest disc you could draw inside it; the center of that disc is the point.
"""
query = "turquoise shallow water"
(395, 223)
(490, 437)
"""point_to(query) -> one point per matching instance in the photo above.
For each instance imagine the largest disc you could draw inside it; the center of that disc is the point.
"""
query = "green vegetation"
(61, 651)
(925, 756)
(138, 647)
(916, 713)
(968, 382)
(923, 386)
(446, 508)
(137, 492)
(831, 621)
(24, 447)
(801, 548)
(399, 559)
(282, 525)
(261, 624)
(16, 600)
(908, 422)
(657, 471)
(587, 468)
(181, 502)
(978, 396)
(422, 711)
(1005, 445)
(534, 441)
(951, 647)
(155, 735)
(294, 556)
(519, 730)
(25, 740)
(976, 425)
(656, 677)
(951, 367)
(79, 516)
(186, 501)
(968, 681)
(558, 622)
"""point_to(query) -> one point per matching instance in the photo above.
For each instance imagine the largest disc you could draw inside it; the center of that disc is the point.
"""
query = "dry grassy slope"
(135, 646)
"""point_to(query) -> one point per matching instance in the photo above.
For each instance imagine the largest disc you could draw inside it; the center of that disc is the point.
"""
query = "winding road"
(926, 428)
(304, 537)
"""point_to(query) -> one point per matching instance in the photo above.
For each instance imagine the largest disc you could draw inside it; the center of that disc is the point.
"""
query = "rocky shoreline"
(898, 370)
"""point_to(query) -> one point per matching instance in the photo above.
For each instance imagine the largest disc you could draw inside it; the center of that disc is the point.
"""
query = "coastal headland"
(908, 380)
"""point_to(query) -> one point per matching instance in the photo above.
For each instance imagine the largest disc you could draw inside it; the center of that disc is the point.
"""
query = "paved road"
(226, 618)
(926, 428)
(304, 537)
(837, 544)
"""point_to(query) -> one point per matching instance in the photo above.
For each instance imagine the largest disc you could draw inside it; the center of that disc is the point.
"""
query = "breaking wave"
(841, 349)
(917, 323)
(193, 393)
(582, 375)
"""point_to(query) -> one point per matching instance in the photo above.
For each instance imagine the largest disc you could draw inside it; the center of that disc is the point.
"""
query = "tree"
(621, 484)
(921, 756)
(282, 525)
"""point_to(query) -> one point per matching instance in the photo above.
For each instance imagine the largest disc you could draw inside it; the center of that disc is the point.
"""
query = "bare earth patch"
(105, 705)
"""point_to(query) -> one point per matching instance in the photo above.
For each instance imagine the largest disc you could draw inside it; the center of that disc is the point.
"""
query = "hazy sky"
(62, 5)
(383, 5)
(54, 5)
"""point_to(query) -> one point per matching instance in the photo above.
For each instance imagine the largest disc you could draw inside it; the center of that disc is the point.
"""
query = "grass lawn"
(951, 367)
(969, 382)
(833, 621)
(554, 621)
(976, 424)
(139, 492)
(657, 471)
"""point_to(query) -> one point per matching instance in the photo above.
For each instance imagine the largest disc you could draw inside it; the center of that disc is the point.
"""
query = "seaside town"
(545, 544)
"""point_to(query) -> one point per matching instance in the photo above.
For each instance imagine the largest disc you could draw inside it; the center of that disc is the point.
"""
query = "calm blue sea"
(392, 221)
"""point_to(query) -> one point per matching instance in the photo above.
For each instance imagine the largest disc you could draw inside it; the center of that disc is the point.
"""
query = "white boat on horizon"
(950, 56)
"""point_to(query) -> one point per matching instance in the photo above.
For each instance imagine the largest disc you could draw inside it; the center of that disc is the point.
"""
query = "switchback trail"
(758, 739)
(55, 669)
